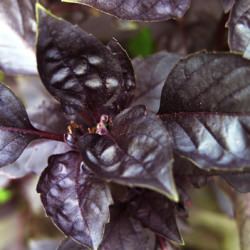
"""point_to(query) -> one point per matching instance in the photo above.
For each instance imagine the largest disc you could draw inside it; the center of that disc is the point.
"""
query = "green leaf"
(142, 44)
(1, 76)
(5, 195)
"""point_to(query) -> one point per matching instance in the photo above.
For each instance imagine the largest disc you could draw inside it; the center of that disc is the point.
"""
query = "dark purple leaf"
(17, 37)
(48, 116)
(137, 152)
(34, 158)
(141, 10)
(151, 74)
(208, 82)
(122, 57)
(79, 70)
(212, 141)
(125, 233)
(76, 201)
(239, 27)
(15, 127)
(239, 181)
(227, 5)
(186, 173)
(203, 83)
(70, 244)
(158, 214)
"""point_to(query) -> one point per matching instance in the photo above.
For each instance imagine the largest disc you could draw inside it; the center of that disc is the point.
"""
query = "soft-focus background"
(23, 224)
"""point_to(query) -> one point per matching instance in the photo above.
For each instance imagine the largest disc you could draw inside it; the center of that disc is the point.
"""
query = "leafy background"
(22, 224)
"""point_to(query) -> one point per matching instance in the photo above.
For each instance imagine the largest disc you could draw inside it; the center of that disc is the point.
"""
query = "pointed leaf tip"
(139, 153)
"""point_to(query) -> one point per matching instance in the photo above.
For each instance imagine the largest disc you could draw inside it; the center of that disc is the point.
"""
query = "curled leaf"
(76, 201)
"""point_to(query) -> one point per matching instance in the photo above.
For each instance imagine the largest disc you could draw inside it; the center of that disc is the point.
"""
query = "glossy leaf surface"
(151, 74)
(76, 201)
(17, 37)
(239, 27)
(158, 214)
(208, 82)
(122, 57)
(123, 233)
(15, 127)
(80, 71)
(137, 152)
(212, 141)
(198, 85)
(141, 10)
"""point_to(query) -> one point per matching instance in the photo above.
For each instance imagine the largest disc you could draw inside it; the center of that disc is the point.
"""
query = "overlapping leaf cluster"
(122, 180)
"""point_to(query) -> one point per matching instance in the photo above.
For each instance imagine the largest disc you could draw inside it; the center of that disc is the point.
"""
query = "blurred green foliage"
(5, 195)
(142, 44)
(1, 76)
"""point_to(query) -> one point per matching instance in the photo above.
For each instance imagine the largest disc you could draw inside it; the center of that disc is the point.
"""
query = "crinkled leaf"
(126, 66)
(79, 70)
(123, 233)
(227, 5)
(151, 74)
(239, 27)
(136, 153)
(212, 141)
(158, 214)
(239, 181)
(76, 201)
(17, 37)
(141, 10)
(208, 82)
(69, 244)
(15, 128)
